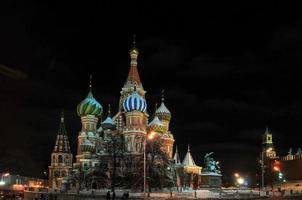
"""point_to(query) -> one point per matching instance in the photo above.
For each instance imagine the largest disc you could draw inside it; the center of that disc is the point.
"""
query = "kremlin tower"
(267, 142)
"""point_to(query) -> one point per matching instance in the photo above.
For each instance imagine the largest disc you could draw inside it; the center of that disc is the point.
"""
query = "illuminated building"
(131, 122)
(187, 172)
(189, 165)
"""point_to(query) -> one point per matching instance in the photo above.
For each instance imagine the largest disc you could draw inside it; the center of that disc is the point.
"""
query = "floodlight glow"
(240, 181)
(151, 135)
(2, 183)
(276, 168)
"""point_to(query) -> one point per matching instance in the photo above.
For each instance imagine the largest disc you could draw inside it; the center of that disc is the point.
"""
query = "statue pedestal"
(209, 180)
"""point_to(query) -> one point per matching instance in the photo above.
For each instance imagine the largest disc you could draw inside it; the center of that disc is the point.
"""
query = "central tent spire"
(133, 76)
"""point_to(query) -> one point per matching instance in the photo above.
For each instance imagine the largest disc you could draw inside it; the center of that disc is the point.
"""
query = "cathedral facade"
(131, 122)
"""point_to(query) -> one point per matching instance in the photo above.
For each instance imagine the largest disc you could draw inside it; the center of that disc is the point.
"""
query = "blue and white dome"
(135, 102)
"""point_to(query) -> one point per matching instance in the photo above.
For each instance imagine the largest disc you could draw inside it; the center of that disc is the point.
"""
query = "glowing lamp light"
(240, 181)
(2, 183)
(276, 168)
(151, 135)
(236, 175)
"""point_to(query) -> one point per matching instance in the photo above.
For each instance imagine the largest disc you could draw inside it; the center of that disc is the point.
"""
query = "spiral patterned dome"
(89, 106)
(156, 125)
(87, 146)
(162, 112)
(135, 102)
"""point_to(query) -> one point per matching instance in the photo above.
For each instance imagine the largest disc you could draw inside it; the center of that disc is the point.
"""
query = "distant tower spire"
(176, 157)
(188, 147)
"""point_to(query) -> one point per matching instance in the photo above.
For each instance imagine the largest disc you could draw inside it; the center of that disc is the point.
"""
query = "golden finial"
(155, 108)
(163, 95)
(134, 42)
(109, 109)
(62, 116)
(134, 50)
(90, 82)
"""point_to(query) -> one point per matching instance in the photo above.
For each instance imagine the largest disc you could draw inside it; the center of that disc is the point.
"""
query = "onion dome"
(156, 125)
(108, 123)
(89, 106)
(162, 111)
(87, 146)
(135, 102)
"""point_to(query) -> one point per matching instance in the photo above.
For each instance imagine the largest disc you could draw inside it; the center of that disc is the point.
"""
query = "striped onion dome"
(89, 106)
(156, 125)
(87, 146)
(162, 112)
(135, 102)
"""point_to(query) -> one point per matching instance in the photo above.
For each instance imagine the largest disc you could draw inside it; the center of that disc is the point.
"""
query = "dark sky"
(228, 69)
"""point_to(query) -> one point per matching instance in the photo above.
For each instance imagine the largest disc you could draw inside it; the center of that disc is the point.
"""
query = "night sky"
(228, 69)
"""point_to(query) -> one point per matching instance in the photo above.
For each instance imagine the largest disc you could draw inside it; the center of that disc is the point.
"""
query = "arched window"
(63, 173)
(53, 158)
(66, 160)
(60, 159)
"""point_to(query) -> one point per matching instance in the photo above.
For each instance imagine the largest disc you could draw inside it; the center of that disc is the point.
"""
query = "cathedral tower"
(267, 142)
(167, 138)
(133, 79)
(61, 158)
(89, 110)
(136, 121)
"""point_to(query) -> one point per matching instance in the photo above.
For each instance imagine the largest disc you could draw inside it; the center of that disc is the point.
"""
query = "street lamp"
(3, 175)
(150, 136)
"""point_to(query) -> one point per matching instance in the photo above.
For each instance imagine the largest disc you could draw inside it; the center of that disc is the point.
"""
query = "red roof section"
(133, 75)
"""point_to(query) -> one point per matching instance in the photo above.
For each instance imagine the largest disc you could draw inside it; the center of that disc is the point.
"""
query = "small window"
(60, 159)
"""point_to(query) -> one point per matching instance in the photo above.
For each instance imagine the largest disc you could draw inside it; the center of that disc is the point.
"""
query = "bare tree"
(160, 172)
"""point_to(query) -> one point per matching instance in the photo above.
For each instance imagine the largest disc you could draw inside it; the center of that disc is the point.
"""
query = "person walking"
(108, 195)
(113, 195)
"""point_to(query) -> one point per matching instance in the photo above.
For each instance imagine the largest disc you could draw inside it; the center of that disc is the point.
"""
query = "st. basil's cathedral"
(131, 121)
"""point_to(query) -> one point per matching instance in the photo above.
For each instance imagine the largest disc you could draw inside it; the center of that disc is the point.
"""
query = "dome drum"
(87, 146)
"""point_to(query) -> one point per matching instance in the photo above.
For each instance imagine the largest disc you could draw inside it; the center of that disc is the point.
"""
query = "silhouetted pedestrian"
(108, 195)
(113, 195)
